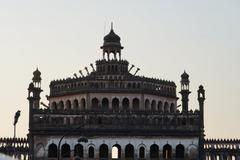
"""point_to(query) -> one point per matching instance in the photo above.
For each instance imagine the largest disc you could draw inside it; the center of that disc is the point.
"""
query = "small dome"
(184, 75)
(112, 37)
(37, 75)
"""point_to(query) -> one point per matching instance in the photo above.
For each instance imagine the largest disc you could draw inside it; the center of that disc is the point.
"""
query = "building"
(112, 113)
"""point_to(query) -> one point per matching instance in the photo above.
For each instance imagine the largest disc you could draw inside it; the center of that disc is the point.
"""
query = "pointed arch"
(154, 151)
(103, 151)
(172, 108)
(105, 104)
(160, 106)
(54, 106)
(52, 151)
(68, 105)
(147, 104)
(153, 105)
(116, 151)
(180, 151)
(75, 104)
(115, 104)
(166, 107)
(83, 104)
(167, 151)
(91, 152)
(61, 105)
(136, 104)
(141, 152)
(129, 151)
(65, 151)
(78, 151)
(95, 103)
(125, 104)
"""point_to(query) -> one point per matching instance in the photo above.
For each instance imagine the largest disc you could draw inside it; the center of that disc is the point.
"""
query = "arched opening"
(52, 151)
(180, 151)
(142, 152)
(129, 151)
(125, 104)
(54, 106)
(115, 104)
(166, 107)
(75, 104)
(105, 104)
(160, 107)
(147, 104)
(68, 105)
(172, 108)
(167, 151)
(116, 151)
(91, 152)
(103, 151)
(78, 151)
(95, 103)
(65, 151)
(61, 105)
(83, 104)
(136, 104)
(233, 157)
(154, 151)
(153, 106)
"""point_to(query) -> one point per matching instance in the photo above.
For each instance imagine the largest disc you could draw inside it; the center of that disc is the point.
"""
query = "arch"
(68, 105)
(115, 104)
(172, 108)
(65, 151)
(125, 104)
(103, 151)
(54, 106)
(91, 152)
(167, 151)
(52, 151)
(153, 105)
(75, 104)
(105, 104)
(61, 105)
(166, 107)
(160, 107)
(136, 104)
(180, 151)
(83, 104)
(95, 103)
(116, 151)
(129, 151)
(154, 151)
(147, 104)
(78, 151)
(141, 152)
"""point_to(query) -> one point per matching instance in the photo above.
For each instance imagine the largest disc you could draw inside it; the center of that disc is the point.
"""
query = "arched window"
(61, 106)
(83, 104)
(172, 108)
(68, 105)
(95, 103)
(153, 106)
(160, 107)
(147, 104)
(166, 107)
(167, 151)
(78, 151)
(180, 151)
(65, 151)
(154, 151)
(115, 104)
(105, 104)
(75, 104)
(142, 152)
(91, 152)
(125, 104)
(136, 104)
(103, 151)
(129, 151)
(54, 106)
(116, 151)
(52, 151)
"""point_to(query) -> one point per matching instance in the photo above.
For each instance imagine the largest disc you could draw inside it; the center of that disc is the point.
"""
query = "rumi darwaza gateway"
(112, 113)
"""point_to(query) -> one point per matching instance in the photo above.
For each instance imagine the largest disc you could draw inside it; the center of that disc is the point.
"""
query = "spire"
(111, 26)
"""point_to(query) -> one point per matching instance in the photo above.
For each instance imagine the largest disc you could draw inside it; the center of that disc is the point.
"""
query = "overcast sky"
(162, 37)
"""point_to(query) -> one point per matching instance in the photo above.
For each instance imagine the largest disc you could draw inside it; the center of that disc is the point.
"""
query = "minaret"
(34, 91)
(201, 99)
(185, 91)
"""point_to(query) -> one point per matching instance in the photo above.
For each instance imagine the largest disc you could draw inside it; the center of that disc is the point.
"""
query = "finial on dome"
(111, 26)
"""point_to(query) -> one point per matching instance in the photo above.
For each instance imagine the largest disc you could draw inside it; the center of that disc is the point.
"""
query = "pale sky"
(162, 37)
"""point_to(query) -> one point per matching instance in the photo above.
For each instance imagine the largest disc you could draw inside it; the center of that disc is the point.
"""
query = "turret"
(185, 91)
(112, 45)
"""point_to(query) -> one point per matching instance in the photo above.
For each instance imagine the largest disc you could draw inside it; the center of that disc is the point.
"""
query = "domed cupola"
(37, 78)
(112, 45)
